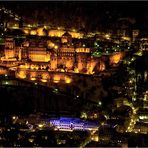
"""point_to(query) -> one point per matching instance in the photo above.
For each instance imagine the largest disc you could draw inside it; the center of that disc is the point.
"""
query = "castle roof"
(66, 34)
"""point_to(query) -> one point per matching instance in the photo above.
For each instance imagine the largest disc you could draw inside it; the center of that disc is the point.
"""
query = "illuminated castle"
(69, 57)
(37, 52)
(64, 57)
(11, 51)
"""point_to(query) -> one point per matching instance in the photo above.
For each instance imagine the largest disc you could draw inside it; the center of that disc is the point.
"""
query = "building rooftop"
(66, 34)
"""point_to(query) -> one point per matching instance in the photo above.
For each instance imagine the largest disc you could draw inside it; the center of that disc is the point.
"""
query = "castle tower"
(66, 39)
(20, 54)
(9, 48)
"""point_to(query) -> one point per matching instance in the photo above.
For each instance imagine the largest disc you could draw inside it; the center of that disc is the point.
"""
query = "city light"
(100, 103)
(44, 80)
(56, 79)
(13, 117)
(73, 124)
(67, 79)
(115, 58)
(33, 79)
(107, 36)
(56, 47)
(22, 74)
(40, 125)
(84, 45)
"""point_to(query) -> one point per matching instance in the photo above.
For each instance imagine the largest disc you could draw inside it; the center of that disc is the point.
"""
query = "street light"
(100, 103)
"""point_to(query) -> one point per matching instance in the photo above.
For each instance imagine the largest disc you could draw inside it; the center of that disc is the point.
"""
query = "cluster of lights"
(53, 33)
(84, 115)
(56, 79)
(96, 44)
(73, 124)
(132, 121)
(97, 54)
(143, 117)
(16, 17)
(139, 53)
(107, 36)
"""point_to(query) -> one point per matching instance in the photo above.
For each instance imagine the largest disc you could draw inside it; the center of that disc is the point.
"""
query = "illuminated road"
(89, 139)
(133, 87)
(132, 121)
(9, 13)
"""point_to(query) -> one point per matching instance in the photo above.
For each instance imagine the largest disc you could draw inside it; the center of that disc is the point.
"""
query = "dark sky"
(125, 7)
(82, 13)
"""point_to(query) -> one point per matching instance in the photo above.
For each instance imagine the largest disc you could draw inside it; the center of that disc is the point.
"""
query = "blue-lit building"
(73, 124)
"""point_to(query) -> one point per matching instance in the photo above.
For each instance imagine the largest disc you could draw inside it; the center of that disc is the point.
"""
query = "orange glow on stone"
(22, 74)
(67, 80)
(33, 32)
(116, 58)
(102, 66)
(56, 78)
(43, 80)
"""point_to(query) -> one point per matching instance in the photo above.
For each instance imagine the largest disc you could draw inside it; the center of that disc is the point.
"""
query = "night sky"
(83, 14)
(125, 7)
